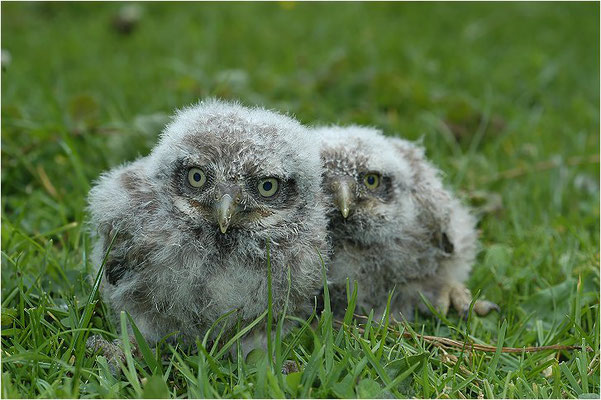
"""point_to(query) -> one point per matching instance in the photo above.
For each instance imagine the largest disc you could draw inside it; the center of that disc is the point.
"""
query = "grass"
(505, 98)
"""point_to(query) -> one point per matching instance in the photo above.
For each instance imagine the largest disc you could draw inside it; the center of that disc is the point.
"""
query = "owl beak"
(344, 198)
(225, 208)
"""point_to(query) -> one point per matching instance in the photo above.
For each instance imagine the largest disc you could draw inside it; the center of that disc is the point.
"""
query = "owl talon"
(483, 307)
(461, 298)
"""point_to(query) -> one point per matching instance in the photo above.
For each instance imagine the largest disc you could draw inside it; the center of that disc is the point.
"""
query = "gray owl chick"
(191, 221)
(393, 225)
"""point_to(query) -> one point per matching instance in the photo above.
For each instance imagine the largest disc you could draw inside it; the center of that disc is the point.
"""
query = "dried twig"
(443, 341)
(542, 166)
(445, 357)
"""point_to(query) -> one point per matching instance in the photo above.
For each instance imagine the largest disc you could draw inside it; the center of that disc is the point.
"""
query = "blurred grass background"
(504, 96)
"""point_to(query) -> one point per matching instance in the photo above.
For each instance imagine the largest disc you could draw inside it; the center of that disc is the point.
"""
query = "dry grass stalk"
(438, 340)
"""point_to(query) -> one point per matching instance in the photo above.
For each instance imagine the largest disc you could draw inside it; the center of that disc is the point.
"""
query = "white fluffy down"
(392, 245)
(169, 265)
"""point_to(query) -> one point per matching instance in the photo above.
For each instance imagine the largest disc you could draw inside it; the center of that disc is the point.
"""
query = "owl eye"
(372, 181)
(268, 187)
(196, 177)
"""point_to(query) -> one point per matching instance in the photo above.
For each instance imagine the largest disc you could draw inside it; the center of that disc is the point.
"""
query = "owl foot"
(461, 298)
(112, 351)
(289, 367)
(483, 307)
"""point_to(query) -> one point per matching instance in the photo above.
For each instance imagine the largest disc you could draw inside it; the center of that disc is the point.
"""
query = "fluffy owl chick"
(186, 227)
(393, 225)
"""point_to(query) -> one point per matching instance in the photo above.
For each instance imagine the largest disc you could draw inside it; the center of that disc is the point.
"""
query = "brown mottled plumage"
(393, 225)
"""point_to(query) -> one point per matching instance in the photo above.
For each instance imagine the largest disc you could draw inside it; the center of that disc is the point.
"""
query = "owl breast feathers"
(393, 225)
(186, 228)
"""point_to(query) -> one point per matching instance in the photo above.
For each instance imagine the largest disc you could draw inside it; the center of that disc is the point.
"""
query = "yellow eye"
(196, 177)
(268, 187)
(372, 181)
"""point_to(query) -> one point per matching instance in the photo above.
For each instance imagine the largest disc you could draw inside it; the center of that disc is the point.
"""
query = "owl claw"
(481, 307)
(461, 298)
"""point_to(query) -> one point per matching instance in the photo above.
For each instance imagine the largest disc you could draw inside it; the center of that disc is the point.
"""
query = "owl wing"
(434, 201)
(117, 204)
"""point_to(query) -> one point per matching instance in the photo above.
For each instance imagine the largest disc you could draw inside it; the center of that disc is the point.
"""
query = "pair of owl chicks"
(188, 232)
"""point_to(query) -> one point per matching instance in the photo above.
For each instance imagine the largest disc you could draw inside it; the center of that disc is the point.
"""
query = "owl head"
(379, 188)
(229, 169)
(222, 181)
